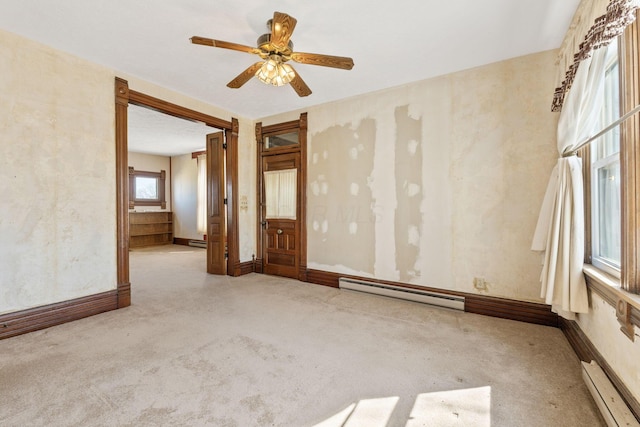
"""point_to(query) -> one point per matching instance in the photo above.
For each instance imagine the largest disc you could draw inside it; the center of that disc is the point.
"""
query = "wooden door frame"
(123, 97)
(301, 126)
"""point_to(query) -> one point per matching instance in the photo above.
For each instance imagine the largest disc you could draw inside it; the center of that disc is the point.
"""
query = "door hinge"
(224, 146)
(226, 201)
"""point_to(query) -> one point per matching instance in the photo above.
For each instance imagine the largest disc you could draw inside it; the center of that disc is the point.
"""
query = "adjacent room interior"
(167, 188)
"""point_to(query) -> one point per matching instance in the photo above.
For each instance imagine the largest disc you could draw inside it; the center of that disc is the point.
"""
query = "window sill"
(608, 287)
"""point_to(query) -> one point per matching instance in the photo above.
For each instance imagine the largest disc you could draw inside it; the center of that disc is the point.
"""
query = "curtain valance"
(594, 25)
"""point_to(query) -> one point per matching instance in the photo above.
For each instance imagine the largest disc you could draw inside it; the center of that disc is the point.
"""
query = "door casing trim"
(261, 131)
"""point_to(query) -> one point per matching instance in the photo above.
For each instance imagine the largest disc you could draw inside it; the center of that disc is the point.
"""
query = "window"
(612, 169)
(605, 177)
(630, 157)
(146, 188)
(281, 140)
(201, 190)
(280, 193)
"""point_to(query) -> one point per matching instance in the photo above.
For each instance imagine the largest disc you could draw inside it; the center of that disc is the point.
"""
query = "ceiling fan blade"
(282, 26)
(225, 45)
(341, 62)
(300, 86)
(245, 76)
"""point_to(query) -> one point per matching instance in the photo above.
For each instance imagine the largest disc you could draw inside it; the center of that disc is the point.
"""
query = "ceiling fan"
(276, 49)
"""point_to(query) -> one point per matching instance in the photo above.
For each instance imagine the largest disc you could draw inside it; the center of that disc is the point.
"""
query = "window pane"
(280, 188)
(610, 142)
(609, 213)
(605, 176)
(281, 140)
(146, 188)
(201, 195)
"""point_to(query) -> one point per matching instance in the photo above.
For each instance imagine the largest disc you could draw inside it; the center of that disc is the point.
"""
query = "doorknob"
(279, 231)
(264, 223)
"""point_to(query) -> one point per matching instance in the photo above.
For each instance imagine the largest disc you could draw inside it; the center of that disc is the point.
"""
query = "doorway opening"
(221, 148)
(167, 195)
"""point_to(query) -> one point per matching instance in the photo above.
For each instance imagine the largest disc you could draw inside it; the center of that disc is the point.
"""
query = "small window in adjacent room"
(606, 179)
(146, 188)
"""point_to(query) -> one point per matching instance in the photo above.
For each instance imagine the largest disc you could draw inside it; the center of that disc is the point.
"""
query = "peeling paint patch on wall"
(480, 192)
(408, 174)
(341, 214)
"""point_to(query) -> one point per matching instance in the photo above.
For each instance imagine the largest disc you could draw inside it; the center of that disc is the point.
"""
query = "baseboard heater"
(612, 407)
(198, 243)
(410, 294)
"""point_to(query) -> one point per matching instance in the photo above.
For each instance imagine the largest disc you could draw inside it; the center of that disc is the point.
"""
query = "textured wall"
(247, 217)
(436, 183)
(57, 181)
(152, 163)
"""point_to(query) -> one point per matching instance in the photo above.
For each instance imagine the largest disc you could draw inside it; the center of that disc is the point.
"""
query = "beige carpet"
(196, 349)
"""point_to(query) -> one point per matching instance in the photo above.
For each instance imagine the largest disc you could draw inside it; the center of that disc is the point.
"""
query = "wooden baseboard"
(324, 278)
(124, 294)
(258, 265)
(504, 308)
(586, 351)
(34, 319)
(523, 311)
(181, 241)
(302, 273)
(242, 268)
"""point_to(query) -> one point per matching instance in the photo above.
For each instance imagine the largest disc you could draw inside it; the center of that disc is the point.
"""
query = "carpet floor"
(201, 350)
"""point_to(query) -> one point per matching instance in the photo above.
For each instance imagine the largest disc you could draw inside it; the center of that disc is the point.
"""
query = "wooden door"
(281, 228)
(216, 224)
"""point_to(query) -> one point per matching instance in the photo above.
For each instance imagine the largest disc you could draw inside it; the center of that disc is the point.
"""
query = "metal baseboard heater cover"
(612, 407)
(410, 294)
(198, 243)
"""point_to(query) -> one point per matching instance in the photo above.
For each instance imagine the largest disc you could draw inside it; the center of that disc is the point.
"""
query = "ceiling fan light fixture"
(275, 49)
(275, 72)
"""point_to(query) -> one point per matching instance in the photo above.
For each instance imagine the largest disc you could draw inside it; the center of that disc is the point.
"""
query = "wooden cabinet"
(150, 228)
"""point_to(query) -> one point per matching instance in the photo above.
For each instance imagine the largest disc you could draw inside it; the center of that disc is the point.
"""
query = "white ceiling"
(152, 132)
(391, 42)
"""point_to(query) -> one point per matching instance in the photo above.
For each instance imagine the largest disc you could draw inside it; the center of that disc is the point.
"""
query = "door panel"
(281, 237)
(216, 262)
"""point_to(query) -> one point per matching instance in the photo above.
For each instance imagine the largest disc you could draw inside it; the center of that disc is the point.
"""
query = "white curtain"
(560, 229)
(280, 188)
(201, 203)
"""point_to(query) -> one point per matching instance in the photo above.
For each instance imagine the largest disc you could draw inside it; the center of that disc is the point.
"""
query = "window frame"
(621, 293)
(630, 157)
(161, 182)
(629, 86)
